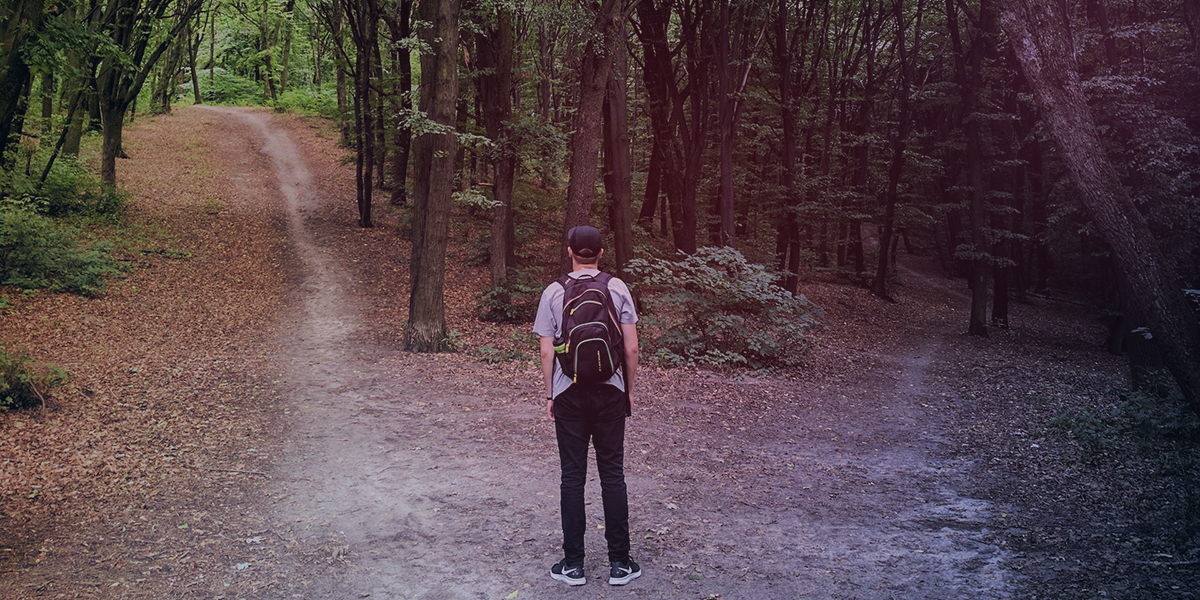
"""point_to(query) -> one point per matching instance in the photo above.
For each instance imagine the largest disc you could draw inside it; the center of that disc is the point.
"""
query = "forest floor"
(243, 424)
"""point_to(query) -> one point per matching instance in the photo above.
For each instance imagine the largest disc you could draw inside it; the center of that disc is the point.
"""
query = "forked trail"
(435, 477)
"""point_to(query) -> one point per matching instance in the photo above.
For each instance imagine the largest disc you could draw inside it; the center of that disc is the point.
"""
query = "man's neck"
(576, 267)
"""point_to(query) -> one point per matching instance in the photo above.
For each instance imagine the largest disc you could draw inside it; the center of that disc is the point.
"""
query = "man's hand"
(546, 350)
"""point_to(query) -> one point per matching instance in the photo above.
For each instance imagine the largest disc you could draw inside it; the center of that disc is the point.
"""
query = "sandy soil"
(376, 473)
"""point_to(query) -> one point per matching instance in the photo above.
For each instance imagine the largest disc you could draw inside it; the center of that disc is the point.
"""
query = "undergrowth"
(717, 309)
(1145, 431)
(25, 383)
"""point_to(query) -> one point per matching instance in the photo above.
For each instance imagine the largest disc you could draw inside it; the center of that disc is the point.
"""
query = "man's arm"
(547, 350)
(629, 332)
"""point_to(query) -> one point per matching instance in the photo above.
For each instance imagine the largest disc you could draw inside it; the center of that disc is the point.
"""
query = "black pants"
(594, 412)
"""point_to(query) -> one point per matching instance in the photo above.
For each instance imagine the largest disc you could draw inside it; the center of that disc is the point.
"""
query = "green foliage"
(70, 189)
(515, 300)
(24, 384)
(228, 88)
(515, 350)
(310, 101)
(35, 253)
(1092, 434)
(716, 308)
(542, 146)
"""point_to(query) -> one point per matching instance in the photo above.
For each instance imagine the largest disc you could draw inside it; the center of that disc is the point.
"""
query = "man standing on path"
(593, 410)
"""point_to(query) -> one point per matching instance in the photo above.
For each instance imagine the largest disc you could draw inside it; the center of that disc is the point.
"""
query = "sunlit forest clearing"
(919, 285)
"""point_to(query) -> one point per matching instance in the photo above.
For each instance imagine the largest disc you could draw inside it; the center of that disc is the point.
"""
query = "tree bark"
(47, 101)
(18, 23)
(402, 103)
(617, 147)
(785, 241)
(434, 178)
(1035, 30)
(585, 140)
(287, 44)
(120, 79)
(495, 54)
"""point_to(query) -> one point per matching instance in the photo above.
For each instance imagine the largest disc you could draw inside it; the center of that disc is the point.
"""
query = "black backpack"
(591, 347)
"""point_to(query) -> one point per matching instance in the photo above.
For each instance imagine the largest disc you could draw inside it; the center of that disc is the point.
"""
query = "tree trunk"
(47, 101)
(403, 136)
(725, 75)
(1034, 28)
(653, 190)
(112, 119)
(904, 120)
(785, 242)
(23, 21)
(193, 52)
(287, 44)
(664, 105)
(434, 178)
(616, 118)
(494, 50)
(339, 41)
(585, 141)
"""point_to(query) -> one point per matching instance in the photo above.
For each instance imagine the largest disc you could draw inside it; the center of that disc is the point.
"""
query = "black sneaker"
(622, 573)
(568, 575)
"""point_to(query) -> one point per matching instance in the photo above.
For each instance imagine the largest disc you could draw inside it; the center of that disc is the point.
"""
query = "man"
(590, 411)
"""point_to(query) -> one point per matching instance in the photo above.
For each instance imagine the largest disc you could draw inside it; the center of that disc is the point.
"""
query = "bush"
(715, 308)
(309, 101)
(228, 88)
(23, 384)
(72, 190)
(35, 254)
(515, 300)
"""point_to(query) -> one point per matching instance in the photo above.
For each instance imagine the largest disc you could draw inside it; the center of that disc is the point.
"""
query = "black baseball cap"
(585, 241)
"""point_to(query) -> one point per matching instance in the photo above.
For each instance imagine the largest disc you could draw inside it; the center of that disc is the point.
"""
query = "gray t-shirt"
(549, 316)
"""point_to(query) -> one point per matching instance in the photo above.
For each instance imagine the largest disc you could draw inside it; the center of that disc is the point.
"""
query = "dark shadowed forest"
(919, 284)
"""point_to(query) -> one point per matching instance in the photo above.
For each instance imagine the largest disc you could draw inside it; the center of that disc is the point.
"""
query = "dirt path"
(433, 477)
(259, 434)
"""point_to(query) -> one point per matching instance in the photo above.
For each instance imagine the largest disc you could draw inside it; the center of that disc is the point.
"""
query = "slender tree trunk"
(653, 189)
(904, 120)
(1047, 57)
(24, 20)
(785, 244)
(585, 141)
(112, 120)
(193, 52)
(434, 178)
(494, 50)
(287, 44)
(212, 42)
(47, 101)
(616, 120)
(339, 41)
(403, 136)
(725, 74)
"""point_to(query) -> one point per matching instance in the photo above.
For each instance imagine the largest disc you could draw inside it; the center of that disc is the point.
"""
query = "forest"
(734, 152)
(1071, 164)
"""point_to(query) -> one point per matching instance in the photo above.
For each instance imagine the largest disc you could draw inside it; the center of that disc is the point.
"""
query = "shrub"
(35, 254)
(24, 384)
(515, 300)
(72, 190)
(309, 101)
(228, 88)
(715, 308)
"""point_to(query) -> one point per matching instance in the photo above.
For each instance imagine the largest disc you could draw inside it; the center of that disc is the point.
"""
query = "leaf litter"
(895, 437)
